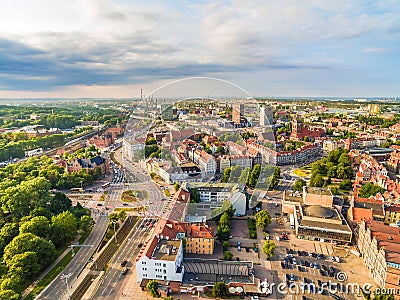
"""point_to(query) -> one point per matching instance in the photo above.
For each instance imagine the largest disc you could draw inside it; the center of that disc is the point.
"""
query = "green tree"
(9, 295)
(11, 282)
(152, 286)
(223, 232)
(369, 189)
(63, 228)
(227, 174)
(253, 177)
(228, 255)
(85, 223)
(221, 150)
(332, 172)
(243, 178)
(225, 219)
(176, 186)
(298, 185)
(29, 242)
(122, 215)
(167, 193)
(317, 180)
(345, 184)
(194, 195)
(24, 265)
(235, 173)
(220, 290)
(39, 226)
(226, 245)
(7, 233)
(59, 203)
(263, 219)
(269, 248)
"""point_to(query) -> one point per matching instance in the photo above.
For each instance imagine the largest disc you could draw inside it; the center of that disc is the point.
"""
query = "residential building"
(101, 141)
(160, 259)
(213, 192)
(392, 215)
(237, 113)
(379, 245)
(199, 239)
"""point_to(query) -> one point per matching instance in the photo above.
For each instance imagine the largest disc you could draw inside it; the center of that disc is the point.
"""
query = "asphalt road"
(58, 287)
(142, 181)
(109, 287)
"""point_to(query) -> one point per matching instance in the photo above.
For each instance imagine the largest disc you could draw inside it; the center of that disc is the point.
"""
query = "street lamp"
(66, 276)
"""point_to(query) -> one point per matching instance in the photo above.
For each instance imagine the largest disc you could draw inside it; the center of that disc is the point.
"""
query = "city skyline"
(114, 48)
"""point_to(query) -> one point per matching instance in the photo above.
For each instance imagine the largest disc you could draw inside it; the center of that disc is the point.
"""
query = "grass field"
(301, 173)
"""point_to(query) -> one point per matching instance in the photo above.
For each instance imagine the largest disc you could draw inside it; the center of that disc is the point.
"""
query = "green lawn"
(301, 173)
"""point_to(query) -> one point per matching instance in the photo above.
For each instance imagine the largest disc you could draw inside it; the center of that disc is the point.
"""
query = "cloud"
(103, 42)
(375, 50)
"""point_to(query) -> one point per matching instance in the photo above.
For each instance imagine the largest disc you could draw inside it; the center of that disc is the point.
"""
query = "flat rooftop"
(208, 272)
(166, 250)
(324, 226)
(318, 191)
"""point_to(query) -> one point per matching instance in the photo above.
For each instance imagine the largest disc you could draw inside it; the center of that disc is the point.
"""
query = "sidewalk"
(48, 269)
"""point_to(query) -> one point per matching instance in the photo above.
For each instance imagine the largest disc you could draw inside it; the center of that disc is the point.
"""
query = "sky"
(103, 48)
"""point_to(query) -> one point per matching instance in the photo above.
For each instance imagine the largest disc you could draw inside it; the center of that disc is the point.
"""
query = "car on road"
(125, 271)
(123, 264)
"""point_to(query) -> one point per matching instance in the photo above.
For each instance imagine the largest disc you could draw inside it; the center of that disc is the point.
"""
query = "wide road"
(58, 287)
(111, 283)
(155, 203)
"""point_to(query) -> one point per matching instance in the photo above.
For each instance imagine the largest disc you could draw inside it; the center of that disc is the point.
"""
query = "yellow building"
(199, 239)
(373, 108)
(392, 214)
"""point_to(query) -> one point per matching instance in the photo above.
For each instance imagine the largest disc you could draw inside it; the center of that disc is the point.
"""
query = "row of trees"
(45, 168)
(250, 177)
(34, 224)
(16, 149)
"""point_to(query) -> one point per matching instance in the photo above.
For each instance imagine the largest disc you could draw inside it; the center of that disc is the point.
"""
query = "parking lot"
(303, 263)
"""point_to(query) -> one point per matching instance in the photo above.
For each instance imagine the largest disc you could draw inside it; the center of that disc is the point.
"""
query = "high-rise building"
(263, 116)
(237, 113)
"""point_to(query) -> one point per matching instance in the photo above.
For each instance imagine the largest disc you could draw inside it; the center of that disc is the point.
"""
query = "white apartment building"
(160, 259)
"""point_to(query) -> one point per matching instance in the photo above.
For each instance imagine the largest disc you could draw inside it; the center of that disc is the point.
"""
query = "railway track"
(101, 262)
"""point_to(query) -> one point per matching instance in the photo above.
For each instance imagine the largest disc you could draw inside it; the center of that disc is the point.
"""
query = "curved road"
(58, 288)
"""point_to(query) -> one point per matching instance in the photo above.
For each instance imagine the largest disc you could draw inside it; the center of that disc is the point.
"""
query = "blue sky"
(101, 48)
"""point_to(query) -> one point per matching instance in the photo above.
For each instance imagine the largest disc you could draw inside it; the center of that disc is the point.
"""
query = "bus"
(76, 190)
